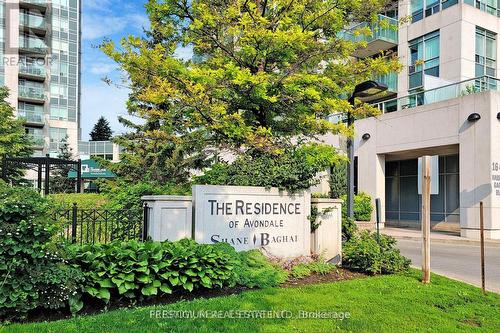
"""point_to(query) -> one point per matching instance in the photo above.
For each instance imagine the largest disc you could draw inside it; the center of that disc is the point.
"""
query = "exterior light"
(366, 136)
(474, 117)
(498, 115)
(367, 89)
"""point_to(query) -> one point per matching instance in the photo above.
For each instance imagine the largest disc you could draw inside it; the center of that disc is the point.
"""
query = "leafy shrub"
(138, 270)
(367, 253)
(301, 271)
(253, 270)
(128, 196)
(362, 209)
(294, 169)
(33, 274)
(349, 228)
(319, 266)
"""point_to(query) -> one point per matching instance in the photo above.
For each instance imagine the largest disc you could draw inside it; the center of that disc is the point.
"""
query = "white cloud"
(101, 68)
(97, 26)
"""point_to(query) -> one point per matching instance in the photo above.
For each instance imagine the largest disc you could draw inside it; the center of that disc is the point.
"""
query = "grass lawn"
(397, 303)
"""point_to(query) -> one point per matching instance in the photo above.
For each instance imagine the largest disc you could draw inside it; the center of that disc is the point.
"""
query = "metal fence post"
(145, 224)
(74, 223)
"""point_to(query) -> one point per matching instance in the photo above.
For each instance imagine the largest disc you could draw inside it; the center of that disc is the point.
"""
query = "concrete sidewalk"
(436, 236)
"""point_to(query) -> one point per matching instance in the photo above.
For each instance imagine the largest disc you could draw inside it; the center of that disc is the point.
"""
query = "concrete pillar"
(479, 153)
(371, 166)
(170, 217)
(326, 241)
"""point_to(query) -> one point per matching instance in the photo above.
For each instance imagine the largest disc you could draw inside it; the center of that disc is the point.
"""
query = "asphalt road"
(457, 261)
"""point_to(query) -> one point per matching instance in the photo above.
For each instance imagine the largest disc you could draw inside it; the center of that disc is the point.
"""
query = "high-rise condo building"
(40, 51)
(444, 102)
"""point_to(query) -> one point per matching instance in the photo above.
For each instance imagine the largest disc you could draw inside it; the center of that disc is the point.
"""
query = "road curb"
(450, 241)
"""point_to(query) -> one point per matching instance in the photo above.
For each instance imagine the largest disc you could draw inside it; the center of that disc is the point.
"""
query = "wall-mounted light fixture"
(498, 115)
(474, 117)
(366, 136)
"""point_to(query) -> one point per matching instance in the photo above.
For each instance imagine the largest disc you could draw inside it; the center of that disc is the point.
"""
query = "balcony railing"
(38, 139)
(454, 90)
(32, 44)
(37, 93)
(33, 70)
(34, 117)
(467, 87)
(41, 3)
(385, 29)
(32, 21)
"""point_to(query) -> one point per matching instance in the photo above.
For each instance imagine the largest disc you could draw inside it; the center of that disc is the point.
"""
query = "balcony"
(33, 22)
(384, 36)
(454, 90)
(37, 4)
(32, 45)
(31, 117)
(32, 94)
(32, 71)
(36, 135)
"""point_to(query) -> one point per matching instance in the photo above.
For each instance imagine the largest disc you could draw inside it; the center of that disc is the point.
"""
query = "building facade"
(40, 49)
(106, 150)
(444, 102)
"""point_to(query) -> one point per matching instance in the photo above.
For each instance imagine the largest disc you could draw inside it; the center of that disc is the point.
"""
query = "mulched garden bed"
(94, 306)
(337, 274)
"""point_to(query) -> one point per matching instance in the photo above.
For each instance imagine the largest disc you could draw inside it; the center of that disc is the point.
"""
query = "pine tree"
(101, 131)
(59, 181)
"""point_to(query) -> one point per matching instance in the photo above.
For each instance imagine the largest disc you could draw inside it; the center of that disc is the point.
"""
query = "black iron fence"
(91, 226)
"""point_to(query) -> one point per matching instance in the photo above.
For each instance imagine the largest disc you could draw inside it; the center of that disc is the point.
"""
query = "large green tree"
(13, 139)
(266, 75)
(101, 131)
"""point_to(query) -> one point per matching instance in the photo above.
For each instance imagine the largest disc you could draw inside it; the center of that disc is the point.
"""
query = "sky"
(101, 19)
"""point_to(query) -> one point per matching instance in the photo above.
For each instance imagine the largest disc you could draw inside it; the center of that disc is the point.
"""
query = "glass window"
(489, 6)
(486, 49)
(424, 58)
(428, 7)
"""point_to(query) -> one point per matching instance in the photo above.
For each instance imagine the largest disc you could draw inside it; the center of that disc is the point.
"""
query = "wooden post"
(426, 219)
(481, 226)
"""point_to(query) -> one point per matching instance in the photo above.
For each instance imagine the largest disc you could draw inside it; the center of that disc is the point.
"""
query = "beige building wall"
(457, 27)
(439, 129)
